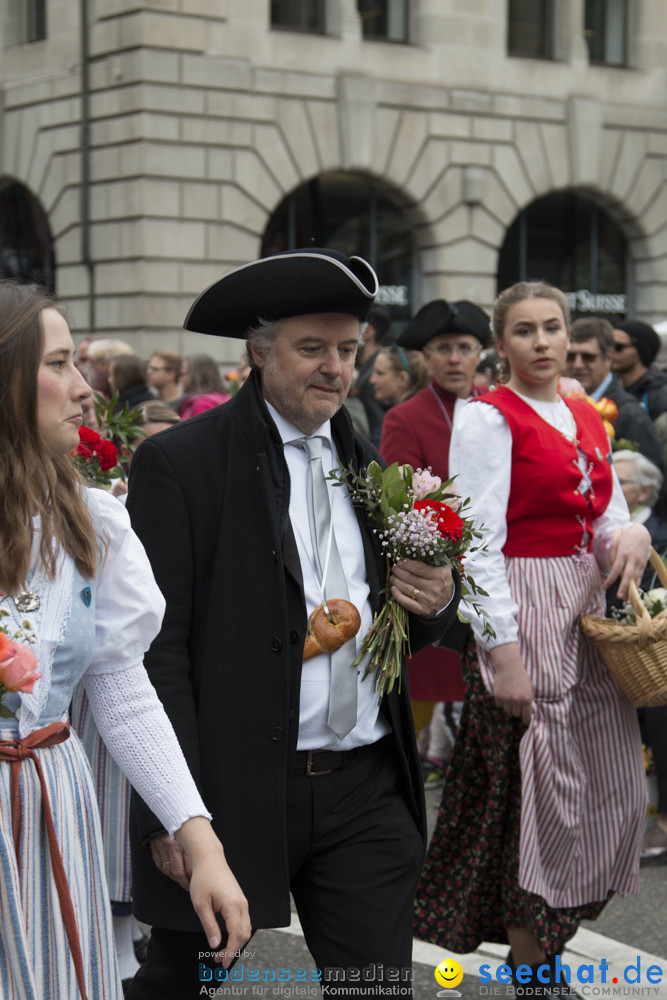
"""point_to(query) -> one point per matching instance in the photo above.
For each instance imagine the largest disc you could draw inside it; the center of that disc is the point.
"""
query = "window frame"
(401, 11)
(600, 10)
(548, 31)
(321, 17)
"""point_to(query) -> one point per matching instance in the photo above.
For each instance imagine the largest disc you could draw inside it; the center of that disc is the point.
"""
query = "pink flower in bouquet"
(423, 483)
(18, 666)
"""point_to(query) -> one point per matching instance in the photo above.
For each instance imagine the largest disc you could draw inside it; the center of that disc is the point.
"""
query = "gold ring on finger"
(415, 593)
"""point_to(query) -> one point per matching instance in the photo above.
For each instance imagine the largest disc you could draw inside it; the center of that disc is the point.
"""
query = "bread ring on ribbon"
(327, 633)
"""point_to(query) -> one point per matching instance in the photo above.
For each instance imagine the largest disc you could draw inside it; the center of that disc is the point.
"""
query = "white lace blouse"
(106, 648)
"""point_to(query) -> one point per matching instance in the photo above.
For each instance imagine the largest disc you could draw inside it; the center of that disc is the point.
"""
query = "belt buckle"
(309, 765)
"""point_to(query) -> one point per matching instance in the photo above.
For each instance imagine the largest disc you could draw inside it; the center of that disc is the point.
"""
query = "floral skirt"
(469, 889)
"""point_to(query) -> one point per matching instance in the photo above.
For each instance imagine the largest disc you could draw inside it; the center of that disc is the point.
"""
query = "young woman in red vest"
(543, 810)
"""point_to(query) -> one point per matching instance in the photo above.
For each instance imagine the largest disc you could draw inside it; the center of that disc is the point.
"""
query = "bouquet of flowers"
(97, 456)
(18, 666)
(415, 517)
(571, 389)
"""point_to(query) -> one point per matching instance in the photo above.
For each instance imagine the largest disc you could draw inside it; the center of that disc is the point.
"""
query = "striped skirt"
(583, 788)
(35, 960)
(538, 825)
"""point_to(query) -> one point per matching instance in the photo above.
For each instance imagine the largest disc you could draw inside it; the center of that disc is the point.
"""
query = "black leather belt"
(316, 762)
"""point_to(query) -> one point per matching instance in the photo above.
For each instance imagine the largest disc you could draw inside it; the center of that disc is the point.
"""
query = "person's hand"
(171, 860)
(629, 554)
(119, 488)
(214, 889)
(512, 687)
(420, 588)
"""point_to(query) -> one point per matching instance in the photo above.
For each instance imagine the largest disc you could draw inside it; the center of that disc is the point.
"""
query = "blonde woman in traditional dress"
(71, 565)
(544, 804)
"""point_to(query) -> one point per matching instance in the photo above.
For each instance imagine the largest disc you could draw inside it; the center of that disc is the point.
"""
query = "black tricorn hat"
(438, 317)
(294, 283)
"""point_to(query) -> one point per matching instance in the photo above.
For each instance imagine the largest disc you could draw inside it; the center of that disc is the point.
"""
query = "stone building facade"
(163, 140)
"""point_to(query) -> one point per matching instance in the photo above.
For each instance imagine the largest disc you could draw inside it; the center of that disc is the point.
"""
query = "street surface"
(630, 931)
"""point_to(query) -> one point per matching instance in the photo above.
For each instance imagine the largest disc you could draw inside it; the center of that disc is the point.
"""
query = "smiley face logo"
(449, 973)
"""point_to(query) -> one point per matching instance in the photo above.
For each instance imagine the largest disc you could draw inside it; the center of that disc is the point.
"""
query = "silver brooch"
(27, 601)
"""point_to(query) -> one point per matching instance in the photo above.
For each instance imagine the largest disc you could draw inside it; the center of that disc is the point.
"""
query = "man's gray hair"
(646, 473)
(263, 336)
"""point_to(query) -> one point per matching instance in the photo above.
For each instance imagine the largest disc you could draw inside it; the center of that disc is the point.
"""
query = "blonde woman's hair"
(31, 481)
(519, 292)
(101, 351)
(155, 412)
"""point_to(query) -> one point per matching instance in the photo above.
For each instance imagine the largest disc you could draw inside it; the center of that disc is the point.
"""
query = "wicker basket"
(636, 655)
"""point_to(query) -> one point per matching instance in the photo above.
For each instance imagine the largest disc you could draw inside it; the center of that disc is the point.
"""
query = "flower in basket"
(18, 666)
(655, 602)
(415, 517)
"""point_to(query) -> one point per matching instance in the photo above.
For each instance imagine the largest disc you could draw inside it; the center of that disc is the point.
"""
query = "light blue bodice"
(70, 659)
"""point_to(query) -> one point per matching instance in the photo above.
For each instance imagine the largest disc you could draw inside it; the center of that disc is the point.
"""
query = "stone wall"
(202, 120)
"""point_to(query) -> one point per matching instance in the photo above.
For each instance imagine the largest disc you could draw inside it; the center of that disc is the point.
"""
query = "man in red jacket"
(418, 431)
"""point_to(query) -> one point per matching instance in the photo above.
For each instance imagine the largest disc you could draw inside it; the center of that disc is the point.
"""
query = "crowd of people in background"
(404, 397)
(507, 405)
(188, 385)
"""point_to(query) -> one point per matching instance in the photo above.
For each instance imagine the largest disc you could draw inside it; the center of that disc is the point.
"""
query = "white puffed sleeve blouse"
(481, 457)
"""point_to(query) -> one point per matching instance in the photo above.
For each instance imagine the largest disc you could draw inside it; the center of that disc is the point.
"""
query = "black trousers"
(654, 724)
(355, 856)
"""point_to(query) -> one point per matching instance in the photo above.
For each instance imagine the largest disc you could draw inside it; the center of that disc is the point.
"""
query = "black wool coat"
(209, 499)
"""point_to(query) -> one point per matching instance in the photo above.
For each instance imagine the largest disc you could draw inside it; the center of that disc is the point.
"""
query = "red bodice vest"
(547, 514)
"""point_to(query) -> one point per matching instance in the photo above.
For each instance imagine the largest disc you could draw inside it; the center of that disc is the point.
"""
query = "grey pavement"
(630, 930)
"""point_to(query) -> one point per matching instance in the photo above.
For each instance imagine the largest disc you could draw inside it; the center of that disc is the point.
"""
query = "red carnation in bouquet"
(447, 521)
(95, 457)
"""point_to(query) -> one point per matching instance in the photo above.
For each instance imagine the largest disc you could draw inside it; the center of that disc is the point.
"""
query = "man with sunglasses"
(636, 347)
(589, 360)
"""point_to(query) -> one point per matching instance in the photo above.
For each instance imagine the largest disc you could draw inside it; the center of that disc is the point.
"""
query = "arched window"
(572, 243)
(26, 246)
(351, 213)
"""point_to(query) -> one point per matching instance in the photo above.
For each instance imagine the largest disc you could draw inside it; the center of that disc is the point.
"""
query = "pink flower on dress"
(18, 666)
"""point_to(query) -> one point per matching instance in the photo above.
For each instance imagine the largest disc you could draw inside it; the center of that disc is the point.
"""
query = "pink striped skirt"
(35, 960)
(583, 790)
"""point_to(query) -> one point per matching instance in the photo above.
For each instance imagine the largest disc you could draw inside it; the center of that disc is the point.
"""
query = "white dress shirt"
(314, 734)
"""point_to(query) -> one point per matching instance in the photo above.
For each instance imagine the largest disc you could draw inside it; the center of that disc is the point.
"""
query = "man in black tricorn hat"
(451, 336)
(314, 785)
